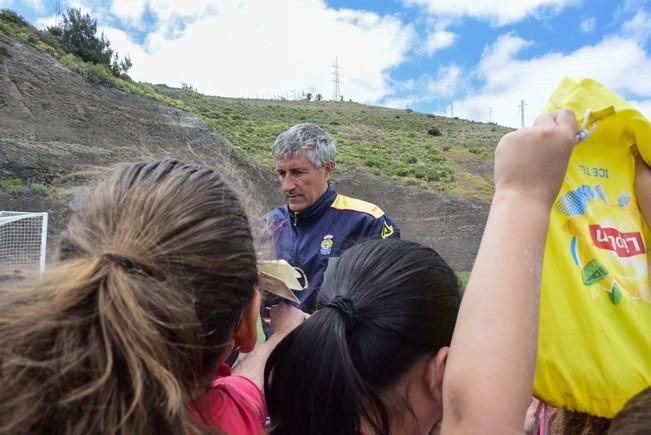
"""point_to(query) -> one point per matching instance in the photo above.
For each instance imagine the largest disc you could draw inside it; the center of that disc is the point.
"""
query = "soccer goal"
(23, 239)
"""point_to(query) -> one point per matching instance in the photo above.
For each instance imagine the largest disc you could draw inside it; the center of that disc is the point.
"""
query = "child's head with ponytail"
(154, 286)
(371, 359)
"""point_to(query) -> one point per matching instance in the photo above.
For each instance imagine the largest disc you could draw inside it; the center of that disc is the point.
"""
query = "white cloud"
(497, 12)
(643, 106)
(639, 27)
(438, 40)
(588, 25)
(249, 48)
(401, 102)
(36, 5)
(129, 11)
(616, 62)
(44, 22)
(448, 81)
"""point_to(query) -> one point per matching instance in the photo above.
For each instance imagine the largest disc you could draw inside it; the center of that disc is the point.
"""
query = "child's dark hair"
(635, 417)
(385, 305)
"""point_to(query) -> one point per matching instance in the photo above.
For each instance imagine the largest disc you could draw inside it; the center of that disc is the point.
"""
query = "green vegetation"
(16, 186)
(431, 152)
(12, 185)
(434, 131)
(387, 142)
(75, 43)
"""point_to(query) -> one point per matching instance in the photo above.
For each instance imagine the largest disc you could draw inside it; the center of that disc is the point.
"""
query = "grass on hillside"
(387, 142)
(400, 145)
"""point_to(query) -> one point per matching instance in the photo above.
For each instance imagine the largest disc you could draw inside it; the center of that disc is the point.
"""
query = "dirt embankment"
(53, 122)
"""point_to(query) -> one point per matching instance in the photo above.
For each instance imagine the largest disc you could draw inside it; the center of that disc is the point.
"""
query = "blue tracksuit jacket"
(307, 239)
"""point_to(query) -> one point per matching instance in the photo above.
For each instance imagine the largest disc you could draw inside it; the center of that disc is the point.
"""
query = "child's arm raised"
(642, 185)
(489, 374)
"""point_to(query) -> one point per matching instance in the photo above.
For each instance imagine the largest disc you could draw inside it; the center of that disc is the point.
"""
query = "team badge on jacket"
(326, 244)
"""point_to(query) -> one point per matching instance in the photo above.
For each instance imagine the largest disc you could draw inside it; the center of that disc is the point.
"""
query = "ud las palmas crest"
(326, 244)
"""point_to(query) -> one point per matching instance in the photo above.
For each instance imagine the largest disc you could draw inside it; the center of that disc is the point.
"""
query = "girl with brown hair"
(154, 288)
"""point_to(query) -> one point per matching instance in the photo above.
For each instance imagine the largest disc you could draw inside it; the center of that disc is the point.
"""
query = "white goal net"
(23, 238)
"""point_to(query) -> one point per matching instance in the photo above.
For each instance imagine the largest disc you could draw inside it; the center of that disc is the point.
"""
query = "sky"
(474, 59)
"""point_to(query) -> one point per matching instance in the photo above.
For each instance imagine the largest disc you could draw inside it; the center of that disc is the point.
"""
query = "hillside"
(55, 119)
(394, 144)
(54, 123)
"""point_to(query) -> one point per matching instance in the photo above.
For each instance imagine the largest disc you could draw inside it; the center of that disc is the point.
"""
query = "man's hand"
(284, 318)
(532, 161)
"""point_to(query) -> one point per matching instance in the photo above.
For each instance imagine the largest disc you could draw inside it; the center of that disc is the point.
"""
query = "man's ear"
(435, 372)
(247, 334)
(329, 168)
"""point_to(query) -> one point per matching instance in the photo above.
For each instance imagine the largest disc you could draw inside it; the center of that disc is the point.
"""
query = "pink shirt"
(234, 405)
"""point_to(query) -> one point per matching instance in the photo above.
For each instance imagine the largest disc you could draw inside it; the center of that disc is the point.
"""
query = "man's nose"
(287, 184)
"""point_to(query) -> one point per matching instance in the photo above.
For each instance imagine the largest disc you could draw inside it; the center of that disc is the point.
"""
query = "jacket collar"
(315, 210)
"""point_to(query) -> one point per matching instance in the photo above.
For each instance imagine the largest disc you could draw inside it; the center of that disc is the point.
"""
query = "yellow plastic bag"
(594, 349)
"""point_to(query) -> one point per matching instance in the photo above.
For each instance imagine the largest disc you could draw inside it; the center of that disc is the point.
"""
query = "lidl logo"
(623, 244)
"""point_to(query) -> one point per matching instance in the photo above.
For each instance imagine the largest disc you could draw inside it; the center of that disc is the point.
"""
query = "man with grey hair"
(317, 223)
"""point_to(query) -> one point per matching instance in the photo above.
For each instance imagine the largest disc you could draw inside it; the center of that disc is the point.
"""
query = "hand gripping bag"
(594, 348)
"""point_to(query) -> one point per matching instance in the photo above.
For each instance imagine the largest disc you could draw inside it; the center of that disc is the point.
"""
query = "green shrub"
(410, 159)
(12, 17)
(480, 151)
(400, 170)
(435, 156)
(373, 162)
(434, 131)
(13, 185)
(71, 62)
(43, 189)
(98, 74)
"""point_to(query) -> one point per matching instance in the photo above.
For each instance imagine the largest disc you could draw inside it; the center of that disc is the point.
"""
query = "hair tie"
(346, 309)
(129, 265)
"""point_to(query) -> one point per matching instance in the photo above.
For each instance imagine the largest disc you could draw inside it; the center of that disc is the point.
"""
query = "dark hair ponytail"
(322, 371)
(385, 305)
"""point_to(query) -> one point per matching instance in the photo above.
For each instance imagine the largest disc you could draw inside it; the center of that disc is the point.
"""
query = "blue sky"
(476, 59)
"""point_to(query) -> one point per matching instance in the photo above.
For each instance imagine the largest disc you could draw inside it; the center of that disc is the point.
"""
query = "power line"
(522, 106)
(57, 12)
(336, 79)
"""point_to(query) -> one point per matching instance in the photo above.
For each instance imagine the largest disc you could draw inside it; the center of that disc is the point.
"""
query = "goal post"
(23, 240)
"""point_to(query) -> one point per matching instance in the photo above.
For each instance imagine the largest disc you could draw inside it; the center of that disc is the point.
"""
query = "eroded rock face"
(451, 226)
(53, 123)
